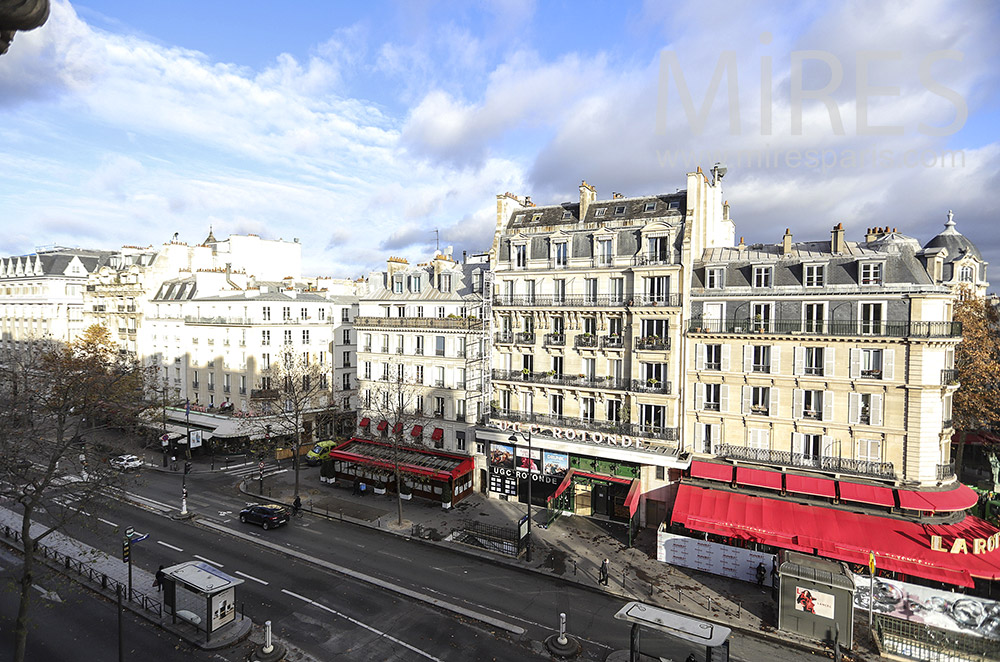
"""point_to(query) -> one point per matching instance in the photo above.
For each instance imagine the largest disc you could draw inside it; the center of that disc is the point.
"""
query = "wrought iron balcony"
(504, 338)
(652, 259)
(949, 377)
(645, 430)
(468, 323)
(613, 342)
(555, 339)
(829, 328)
(650, 386)
(945, 471)
(524, 338)
(585, 340)
(608, 383)
(655, 343)
(667, 300)
(830, 464)
(550, 300)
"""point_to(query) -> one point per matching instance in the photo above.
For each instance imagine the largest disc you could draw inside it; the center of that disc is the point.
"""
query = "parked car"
(268, 515)
(125, 462)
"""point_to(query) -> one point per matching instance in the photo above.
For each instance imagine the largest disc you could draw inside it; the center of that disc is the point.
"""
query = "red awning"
(810, 485)
(960, 498)
(383, 425)
(873, 494)
(632, 498)
(612, 479)
(566, 481)
(712, 471)
(417, 430)
(437, 434)
(758, 478)
(899, 546)
(364, 422)
(397, 428)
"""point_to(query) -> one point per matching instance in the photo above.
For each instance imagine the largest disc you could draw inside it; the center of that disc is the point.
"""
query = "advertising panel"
(525, 463)
(734, 562)
(502, 455)
(555, 464)
(223, 608)
(815, 602)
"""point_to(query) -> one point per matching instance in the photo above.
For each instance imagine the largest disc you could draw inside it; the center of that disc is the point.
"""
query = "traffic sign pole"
(871, 589)
(260, 466)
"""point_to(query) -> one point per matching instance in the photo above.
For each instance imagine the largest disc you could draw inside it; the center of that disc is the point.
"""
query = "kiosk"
(200, 594)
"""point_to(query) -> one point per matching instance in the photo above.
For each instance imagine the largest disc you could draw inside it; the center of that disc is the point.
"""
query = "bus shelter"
(658, 633)
(200, 594)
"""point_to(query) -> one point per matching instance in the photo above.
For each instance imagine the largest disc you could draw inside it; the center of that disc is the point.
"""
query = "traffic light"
(126, 549)
(187, 467)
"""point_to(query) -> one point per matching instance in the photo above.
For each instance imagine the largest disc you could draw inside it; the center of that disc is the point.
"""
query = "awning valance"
(382, 426)
(365, 422)
(632, 498)
(899, 545)
(822, 487)
(712, 471)
(417, 431)
(437, 434)
(960, 498)
(758, 478)
(873, 494)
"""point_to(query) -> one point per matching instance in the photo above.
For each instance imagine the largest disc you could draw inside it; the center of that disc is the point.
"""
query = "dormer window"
(714, 278)
(674, 206)
(762, 276)
(535, 218)
(414, 284)
(966, 274)
(397, 285)
(871, 273)
(567, 214)
(815, 275)
(519, 218)
(619, 210)
(560, 254)
(520, 255)
(445, 283)
(600, 212)
(650, 206)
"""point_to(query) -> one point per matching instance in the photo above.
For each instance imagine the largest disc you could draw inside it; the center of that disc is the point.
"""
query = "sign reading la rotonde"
(569, 434)
(962, 545)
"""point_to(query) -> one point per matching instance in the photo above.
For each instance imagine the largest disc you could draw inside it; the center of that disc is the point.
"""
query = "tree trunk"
(27, 579)
(295, 455)
(960, 454)
(399, 484)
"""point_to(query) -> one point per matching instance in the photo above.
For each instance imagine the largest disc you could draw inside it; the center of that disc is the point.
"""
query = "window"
(871, 363)
(413, 283)
(814, 275)
(265, 361)
(529, 292)
(759, 438)
(560, 291)
(604, 255)
(535, 218)
(813, 361)
(707, 436)
(243, 384)
(557, 367)
(658, 251)
(865, 408)
(345, 315)
(812, 404)
(713, 397)
(419, 349)
(397, 285)
(347, 337)
(439, 407)
(420, 375)
(440, 312)
(286, 313)
(347, 359)
(871, 273)
(619, 210)
(590, 290)
(714, 278)
(871, 318)
(418, 404)
(614, 411)
(288, 336)
(556, 405)
(757, 400)
(560, 253)
(439, 376)
(587, 408)
(347, 382)
(520, 255)
(567, 214)
(305, 336)
(617, 290)
(460, 439)
(368, 370)
(762, 276)
(420, 311)
(650, 206)
(446, 282)
(439, 345)
(266, 313)
(713, 357)
(661, 473)
(869, 450)
(760, 358)
(600, 212)
(761, 316)
(265, 337)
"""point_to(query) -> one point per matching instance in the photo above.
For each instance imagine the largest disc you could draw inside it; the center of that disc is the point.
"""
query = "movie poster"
(502, 455)
(555, 464)
(812, 601)
(525, 463)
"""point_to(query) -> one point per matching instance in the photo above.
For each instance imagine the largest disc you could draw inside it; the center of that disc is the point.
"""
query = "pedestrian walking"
(362, 487)
(761, 574)
(173, 463)
(605, 570)
(158, 581)
(357, 487)
(296, 505)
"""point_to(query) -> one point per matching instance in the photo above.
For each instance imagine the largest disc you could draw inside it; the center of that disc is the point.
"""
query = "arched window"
(966, 274)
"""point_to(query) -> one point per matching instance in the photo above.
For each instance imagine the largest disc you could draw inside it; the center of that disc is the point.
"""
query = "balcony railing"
(949, 377)
(264, 394)
(504, 338)
(651, 259)
(650, 386)
(195, 385)
(418, 351)
(524, 338)
(666, 300)
(831, 464)
(945, 471)
(652, 343)
(585, 340)
(608, 383)
(871, 374)
(851, 328)
(547, 300)
(469, 323)
(646, 430)
(613, 342)
(555, 339)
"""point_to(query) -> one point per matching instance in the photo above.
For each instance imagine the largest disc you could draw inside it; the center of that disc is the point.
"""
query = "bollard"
(651, 587)
(562, 629)
(710, 603)
(739, 612)
(268, 646)
(623, 577)
(574, 567)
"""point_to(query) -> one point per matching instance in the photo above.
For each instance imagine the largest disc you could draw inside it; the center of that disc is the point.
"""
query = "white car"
(126, 462)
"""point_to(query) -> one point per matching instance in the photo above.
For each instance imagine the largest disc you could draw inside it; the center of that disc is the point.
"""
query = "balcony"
(195, 385)
(264, 394)
(652, 343)
(546, 301)
(664, 300)
(949, 377)
(555, 339)
(439, 383)
(607, 383)
(525, 338)
(225, 389)
(653, 259)
(612, 342)
(830, 464)
(650, 386)
(419, 351)
(646, 430)
(385, 349)
(378, 323)
(829, 328)
(367, 348)
(946, 471)
(585, 340)
(871, 374)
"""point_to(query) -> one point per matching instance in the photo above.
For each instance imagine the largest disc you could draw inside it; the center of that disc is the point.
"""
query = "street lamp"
(513, 439)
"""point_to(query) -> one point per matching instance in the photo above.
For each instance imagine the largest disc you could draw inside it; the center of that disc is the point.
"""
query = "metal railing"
(650, 386)
(655, 343)
(832, 464)
(504, 338)
(668, 300)
(921, 641)
(524, 338)
(949, 377)
(585, 340)
(555, 339)
(647, 430)
(468, 323)
(830, 328)
(548, 300)
(945, 471)
(561, 380)
(612, 342)
(652, 259)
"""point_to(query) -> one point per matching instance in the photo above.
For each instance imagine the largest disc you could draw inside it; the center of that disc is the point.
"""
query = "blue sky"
(362, 127)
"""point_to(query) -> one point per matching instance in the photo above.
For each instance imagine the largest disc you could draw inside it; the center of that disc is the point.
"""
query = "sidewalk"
(572, 548)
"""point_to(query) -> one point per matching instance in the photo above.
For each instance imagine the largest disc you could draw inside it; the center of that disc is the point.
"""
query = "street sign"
(260, 466)
(164, 439)
(871, 562)
(129, 531)
(140, 538)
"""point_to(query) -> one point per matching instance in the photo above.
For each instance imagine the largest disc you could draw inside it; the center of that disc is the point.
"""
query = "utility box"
(815, 598)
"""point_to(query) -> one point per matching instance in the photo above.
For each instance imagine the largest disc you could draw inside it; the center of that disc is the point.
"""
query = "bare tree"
(49, 393)
(397, 400)
(295, 394)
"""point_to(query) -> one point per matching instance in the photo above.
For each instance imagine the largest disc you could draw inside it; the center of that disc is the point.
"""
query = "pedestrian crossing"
(252, 470)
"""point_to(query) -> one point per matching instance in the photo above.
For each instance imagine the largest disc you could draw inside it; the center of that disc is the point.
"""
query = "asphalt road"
(332, 616)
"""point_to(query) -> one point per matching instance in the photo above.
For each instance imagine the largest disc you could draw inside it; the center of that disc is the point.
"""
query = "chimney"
(837, 243)
(588, 194)
(463, 257)
(527, 201)
(870, 234)
(786, 242)
(741, 246)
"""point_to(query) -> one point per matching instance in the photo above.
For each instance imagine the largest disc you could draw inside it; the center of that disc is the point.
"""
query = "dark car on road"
(268, 515)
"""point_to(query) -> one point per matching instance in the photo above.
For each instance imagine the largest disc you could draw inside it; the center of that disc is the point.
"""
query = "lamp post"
(513, 439)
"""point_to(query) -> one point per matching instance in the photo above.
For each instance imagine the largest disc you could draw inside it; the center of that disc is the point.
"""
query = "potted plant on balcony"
(525, 373)
(653, 381)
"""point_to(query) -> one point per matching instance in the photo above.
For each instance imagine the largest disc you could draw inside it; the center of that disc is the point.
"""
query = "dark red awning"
(612, 479)
(563, 485)
(960, 498)
(364, 422)
(437, 434)
(873, 494)
(397, 428)
(899, 545)
(822, 487)
(383, 425)
(417, 430)
(712, 471)
(758, 478)
(632, 498)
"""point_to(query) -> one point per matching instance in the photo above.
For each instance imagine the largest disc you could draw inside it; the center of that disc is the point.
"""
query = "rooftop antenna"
(437, 239)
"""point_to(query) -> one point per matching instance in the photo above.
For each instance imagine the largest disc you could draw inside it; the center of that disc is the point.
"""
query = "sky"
(376, 129)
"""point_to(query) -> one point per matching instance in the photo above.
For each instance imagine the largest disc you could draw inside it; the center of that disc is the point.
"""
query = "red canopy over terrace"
(899, 545)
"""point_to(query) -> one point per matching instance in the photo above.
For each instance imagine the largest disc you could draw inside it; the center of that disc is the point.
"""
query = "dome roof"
(958, 245)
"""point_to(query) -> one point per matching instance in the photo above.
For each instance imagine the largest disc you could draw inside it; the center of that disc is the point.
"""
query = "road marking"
(166, 544)
(216, 563)
(101, 519)
(251, 577)
(364, 625)
(306, 527)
